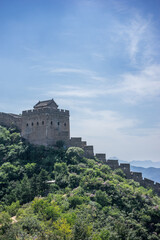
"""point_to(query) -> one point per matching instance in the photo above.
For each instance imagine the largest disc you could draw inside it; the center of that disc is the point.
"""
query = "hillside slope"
(87, 200)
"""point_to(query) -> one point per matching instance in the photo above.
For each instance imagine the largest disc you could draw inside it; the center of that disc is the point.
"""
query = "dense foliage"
(87, 200)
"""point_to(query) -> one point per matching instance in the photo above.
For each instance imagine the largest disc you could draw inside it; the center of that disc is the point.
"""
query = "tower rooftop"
(46, 104)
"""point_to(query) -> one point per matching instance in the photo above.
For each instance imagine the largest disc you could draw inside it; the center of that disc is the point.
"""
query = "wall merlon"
(113, 164)
(76, 142)
(125, 166)
(76, 139)
(137, 176)
(89, 152)
(88, 147)
(126, 169)
(101, 157)
(157, 185)
(84, 143)
(62, 112)
(148, 181)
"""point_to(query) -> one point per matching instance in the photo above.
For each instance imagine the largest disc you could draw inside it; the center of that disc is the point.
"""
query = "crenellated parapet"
(45, 111)
(88, 151)
(113, 164)
(77, 142)
(136, 176)
(101, 157)
(126, 169)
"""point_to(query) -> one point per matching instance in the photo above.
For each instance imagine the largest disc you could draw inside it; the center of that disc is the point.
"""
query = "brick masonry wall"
(9, 120)
(46, 126)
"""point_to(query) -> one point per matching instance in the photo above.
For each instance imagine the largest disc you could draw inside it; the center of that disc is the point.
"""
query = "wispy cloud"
(120, 6)
(89, 73)
(70, 70)
(106, 118)
(138, 37)
(98, 56)
(131, 87)
(141, 86)
(80, 92)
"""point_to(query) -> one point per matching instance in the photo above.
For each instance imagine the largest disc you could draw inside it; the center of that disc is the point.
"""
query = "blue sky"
(98, 58)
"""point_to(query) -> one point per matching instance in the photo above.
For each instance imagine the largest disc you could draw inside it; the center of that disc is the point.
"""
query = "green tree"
(42, 182)
(25, 190)
(61, 174)
(74, 180)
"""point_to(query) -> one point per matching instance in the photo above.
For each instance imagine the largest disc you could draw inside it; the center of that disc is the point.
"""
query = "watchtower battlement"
(45, 110)
(46, 124)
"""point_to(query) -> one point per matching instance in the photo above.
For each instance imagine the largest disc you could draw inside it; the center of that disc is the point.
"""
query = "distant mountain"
(149, 169)
(144, 164)
(151, 172)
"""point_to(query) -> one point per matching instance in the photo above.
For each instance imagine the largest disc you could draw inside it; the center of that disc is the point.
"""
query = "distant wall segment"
(9, 119)
(136, 176)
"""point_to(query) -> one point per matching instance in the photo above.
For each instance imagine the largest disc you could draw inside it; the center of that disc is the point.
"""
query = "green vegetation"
(88, 201)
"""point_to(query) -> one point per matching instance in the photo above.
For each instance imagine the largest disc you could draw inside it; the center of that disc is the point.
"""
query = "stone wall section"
(101, 157)
(9, 119)
(88, 151)
(136, 176)
(77, 142)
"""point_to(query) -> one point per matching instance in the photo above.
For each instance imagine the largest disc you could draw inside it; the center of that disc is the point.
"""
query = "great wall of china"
(46, 124)
(136, 176)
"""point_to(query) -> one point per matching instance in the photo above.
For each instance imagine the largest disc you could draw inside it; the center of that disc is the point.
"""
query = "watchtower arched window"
(27, 125)
(32, 123)
(58, 123)
(37, 123)
(42, 122)
(51, 123)
(65, 124)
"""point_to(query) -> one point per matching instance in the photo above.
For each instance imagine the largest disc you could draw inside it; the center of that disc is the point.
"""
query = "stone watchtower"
(45, 124)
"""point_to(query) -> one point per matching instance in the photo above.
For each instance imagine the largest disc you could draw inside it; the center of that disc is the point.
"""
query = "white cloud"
(70, 70)
(105, 120)
(143, 85)
(132, 87)
(80, 92)
(89, 73)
